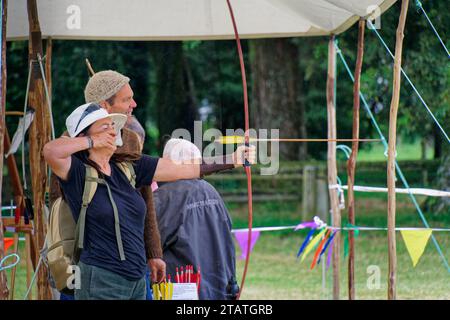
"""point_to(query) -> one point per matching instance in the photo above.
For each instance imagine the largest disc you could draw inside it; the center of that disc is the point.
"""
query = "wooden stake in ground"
(331, 161)
(3, 281)
(39, 136)
(351, 165)
(392, 294)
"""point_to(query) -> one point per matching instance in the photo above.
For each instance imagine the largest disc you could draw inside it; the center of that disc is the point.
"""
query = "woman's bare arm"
(58, 153)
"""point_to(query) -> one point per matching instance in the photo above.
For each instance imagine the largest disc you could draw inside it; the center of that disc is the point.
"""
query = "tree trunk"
(276, 83)
(441, 205)
(4, 293)
(437, 142)
(174, 102)
(39, 136)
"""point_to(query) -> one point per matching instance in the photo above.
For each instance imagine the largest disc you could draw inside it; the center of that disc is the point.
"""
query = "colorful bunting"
(416, 241)
(330, 253)
(308, 224)
(330, 239)
(242, 239)
(7, 243)
(313, 243)
(319, 249)
(346, 232)
(305, 242)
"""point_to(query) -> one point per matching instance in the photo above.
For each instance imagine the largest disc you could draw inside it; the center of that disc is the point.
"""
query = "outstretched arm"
(168, 170)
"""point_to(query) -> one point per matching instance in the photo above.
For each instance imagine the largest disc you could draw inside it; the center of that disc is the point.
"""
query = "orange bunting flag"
(7, 243)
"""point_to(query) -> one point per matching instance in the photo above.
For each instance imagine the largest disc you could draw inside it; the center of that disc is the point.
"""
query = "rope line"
(372, 27)
(419, 5)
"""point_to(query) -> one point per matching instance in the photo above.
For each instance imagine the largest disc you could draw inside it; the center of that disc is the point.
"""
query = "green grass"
(20, 288)
(405, 151)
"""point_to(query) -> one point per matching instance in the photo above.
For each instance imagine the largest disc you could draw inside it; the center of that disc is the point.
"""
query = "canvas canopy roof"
(188, 19)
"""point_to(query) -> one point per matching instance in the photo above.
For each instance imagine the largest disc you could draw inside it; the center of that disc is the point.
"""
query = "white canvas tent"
(188, 19)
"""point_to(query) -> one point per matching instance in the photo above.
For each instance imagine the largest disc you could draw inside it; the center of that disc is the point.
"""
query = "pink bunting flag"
(307, 224)
(242, 239)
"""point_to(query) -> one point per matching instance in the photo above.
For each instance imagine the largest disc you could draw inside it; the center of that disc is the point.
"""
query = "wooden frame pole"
(331, 161)
(351, 165)
(4, 293)
(39, 136)
(392, 294)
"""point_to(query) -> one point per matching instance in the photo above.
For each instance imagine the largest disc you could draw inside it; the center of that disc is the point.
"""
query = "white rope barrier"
(261, 229)
(419, 191)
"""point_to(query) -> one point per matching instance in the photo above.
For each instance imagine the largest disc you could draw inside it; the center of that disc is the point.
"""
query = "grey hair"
(180, 150)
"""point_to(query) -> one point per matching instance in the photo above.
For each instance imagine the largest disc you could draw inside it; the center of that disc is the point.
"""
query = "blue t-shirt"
(100, 244)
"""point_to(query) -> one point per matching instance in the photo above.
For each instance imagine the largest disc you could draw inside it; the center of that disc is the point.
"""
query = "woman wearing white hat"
(113, 260)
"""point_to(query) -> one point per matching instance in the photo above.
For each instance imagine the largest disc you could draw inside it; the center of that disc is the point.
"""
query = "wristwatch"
(90, 142)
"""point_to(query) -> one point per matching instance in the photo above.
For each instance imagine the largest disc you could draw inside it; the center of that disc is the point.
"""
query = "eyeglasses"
(91, 108)
(108, 126)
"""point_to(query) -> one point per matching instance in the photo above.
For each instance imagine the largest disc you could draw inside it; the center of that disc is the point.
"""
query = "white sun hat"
(86, 114)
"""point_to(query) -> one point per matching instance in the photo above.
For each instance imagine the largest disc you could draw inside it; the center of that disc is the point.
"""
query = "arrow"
(241, 139)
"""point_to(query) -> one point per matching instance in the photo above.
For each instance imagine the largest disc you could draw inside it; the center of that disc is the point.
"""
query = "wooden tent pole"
(392, 294)
(39, 136)
(351, 165)
(14, 177)
(331, 161)
(4, 293)
(48, 67)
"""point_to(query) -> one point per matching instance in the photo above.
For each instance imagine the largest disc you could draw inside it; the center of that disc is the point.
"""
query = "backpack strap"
(116, 219)
(90, 186)
(128, 169)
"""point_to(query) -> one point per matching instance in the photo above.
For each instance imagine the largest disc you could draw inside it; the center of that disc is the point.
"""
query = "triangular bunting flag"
(305, 242)
(346, 237)
(7, 243)
(325, 247)
(319, 249)
(308, 224)
(242, 239)
(313, 243)
(416, 241)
